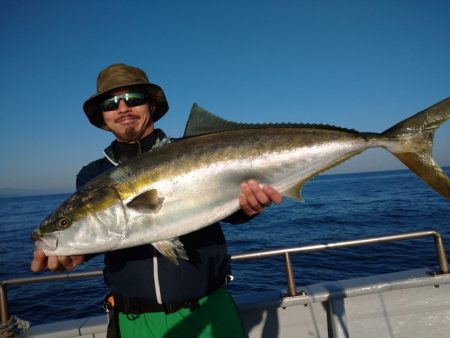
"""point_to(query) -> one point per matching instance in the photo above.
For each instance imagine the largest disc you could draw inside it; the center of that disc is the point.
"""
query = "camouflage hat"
(117, 76)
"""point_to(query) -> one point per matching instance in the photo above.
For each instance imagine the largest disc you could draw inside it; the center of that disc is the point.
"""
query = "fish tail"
(413, 142)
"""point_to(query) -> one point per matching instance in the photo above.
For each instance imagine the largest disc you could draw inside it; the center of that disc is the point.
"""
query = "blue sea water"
(336, 207)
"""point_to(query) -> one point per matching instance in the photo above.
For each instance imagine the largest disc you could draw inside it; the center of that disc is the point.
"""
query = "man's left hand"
(254, 197)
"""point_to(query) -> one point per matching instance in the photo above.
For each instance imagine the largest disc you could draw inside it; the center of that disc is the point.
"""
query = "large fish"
(190, 183)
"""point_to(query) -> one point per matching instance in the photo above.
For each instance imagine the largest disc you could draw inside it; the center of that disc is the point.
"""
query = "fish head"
(91, 220)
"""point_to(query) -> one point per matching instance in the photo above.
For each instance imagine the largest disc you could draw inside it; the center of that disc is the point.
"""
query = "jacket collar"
(119, 152)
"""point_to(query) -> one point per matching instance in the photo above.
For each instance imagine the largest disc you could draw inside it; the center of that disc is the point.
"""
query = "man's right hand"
(55, 263)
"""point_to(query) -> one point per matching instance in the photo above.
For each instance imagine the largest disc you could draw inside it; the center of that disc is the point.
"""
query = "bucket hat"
(121, 75)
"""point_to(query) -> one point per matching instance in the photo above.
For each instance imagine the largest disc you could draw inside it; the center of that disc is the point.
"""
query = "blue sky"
(357, 64)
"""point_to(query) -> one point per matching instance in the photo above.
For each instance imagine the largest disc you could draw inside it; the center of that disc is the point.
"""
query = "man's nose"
(123, 106)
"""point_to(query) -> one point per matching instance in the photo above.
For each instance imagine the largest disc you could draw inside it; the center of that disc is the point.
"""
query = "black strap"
(113, 330)
(137, 306)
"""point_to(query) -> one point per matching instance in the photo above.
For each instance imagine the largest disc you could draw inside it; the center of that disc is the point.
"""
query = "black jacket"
(141, 272)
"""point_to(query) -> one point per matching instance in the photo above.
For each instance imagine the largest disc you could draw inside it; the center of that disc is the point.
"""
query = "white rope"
(13, 327)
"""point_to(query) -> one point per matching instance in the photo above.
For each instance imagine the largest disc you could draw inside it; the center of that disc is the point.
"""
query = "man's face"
(129, 123)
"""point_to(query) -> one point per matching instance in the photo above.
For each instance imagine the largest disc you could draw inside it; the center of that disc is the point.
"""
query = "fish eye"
(63, 223)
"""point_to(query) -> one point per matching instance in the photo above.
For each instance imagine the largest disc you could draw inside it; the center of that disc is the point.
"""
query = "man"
(151, 296)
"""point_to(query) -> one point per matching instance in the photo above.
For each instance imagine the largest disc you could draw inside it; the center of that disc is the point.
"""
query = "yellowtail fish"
(195, 181)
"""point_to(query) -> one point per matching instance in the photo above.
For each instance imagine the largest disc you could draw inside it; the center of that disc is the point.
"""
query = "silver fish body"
(195, 181)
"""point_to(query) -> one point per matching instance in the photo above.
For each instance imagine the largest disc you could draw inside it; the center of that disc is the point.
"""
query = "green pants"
(217, 316)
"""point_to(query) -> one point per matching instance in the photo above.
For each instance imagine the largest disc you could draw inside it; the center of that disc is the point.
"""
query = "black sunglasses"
(131, 99)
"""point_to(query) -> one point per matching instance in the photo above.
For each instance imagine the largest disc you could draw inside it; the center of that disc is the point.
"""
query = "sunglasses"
(131, 99)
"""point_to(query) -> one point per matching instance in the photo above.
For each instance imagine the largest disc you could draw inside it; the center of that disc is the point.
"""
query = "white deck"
(403, 304)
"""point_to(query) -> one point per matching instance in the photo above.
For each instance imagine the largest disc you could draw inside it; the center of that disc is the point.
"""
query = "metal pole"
(290, 275)
(440, 251)
(4, 312)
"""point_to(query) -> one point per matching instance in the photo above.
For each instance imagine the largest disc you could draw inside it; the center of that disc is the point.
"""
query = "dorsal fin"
(203, 122)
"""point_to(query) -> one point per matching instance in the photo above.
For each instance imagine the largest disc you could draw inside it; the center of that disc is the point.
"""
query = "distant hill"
(15, 192)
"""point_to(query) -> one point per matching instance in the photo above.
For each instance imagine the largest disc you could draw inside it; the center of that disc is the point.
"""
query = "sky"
(356, 64)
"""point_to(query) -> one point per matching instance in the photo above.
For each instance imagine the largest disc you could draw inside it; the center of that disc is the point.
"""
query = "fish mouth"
(47, 242)
(35, 235)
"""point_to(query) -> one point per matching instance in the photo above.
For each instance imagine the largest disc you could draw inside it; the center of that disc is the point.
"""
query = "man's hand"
(55, 263)
(254, 198)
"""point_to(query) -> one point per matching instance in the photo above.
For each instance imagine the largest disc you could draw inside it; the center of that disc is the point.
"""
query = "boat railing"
(285, 252)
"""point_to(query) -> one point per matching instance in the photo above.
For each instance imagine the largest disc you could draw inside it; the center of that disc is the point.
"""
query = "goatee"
(132, 135)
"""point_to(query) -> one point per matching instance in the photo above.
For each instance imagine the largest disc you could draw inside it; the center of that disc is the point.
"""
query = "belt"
(136, 306)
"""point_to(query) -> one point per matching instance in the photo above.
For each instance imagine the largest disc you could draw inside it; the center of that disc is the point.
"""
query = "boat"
(408, 303)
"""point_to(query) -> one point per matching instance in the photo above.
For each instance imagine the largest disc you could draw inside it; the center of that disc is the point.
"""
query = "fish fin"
(161, 142)
(148, 201)
(295, 192)
(172, 249)
(413, 144)
(201, 122)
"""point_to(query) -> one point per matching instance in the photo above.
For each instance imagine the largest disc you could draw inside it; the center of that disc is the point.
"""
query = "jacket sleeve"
(82, 178)
(238, 217)
(92, 170)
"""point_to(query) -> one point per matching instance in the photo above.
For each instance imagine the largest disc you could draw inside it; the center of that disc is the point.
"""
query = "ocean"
(335, 208)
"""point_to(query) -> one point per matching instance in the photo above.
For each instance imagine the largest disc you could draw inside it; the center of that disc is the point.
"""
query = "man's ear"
(151, 107)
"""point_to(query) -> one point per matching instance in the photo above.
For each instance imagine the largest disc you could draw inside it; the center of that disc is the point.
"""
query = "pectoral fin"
(172, 249)
(148, 201)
